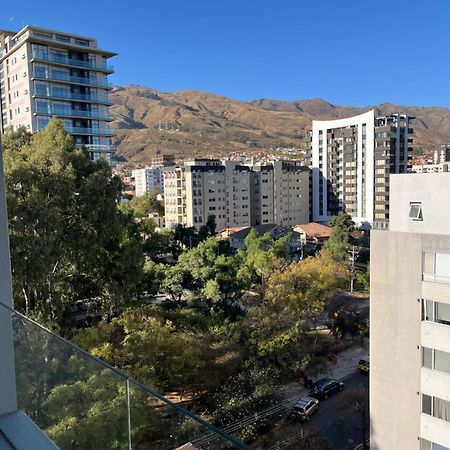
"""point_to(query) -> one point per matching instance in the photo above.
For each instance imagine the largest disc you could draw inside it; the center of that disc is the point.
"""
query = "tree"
(307, 285)
(172, 283)
(244, 396)
(145, 204)
(68, 239)
(341, 228)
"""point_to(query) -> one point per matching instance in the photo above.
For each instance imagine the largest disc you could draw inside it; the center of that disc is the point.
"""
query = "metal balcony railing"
(54, 111)
(41, 56)
(89, 130)
(81, 402)
(56, 76)
(73, 96)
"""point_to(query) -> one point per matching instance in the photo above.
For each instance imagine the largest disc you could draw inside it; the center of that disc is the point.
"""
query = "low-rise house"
(237, 239)
(224, 234)
(313, 233)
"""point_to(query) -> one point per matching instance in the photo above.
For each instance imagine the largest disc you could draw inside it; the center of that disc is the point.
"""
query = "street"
(335, 420)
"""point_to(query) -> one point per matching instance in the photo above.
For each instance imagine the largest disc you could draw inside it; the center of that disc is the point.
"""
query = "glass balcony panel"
(72, 113)
(59, 76)
(81, 402)
(82, 130)
(73, 96)
(171, 427)
(75, 400)
(42, 56)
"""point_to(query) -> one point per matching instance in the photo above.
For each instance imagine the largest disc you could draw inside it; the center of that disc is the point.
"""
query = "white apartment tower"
(45, 73)
(237, 194)
(149, 179)
(351, 162)
(410, 318)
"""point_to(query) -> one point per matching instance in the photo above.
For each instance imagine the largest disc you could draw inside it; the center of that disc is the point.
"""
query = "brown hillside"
(192, 123)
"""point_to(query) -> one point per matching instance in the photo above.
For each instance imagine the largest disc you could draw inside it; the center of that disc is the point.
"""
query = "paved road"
(335, 420)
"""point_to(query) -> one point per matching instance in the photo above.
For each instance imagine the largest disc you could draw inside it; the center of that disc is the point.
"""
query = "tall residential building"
(291, 193)
(238, 194)
(410, 318)
(430, 168)
(174, 196)
(46, 73)
(163, 160)
(150, 179)
(442, 155)
(351, 162)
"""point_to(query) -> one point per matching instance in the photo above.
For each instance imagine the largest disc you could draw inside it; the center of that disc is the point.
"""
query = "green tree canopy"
(341, 228)
(145, 204)
(68, 239)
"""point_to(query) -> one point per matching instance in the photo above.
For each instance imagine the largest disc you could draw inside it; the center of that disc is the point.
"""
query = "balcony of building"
(69, 112)
(68, 399)
(58, 76)
(71, 62)
(62, 95)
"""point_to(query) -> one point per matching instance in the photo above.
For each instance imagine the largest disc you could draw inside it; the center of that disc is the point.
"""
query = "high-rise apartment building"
(237, 194)
(351, 162)
(442, 155)
(163, 160)
(150, 179)
(46, 73)
(174, 196)
(410, 318)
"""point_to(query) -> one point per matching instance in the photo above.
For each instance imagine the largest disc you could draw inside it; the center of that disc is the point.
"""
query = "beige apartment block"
(46, 73)
(291, 193)
(174, 196)
(410, 317)
(239, 195)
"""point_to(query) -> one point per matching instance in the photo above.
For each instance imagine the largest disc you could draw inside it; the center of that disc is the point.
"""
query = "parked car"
(363, 366)
(326, 387)
(305, 407)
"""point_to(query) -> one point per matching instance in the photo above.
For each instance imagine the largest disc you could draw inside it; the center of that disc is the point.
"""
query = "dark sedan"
(326, 387)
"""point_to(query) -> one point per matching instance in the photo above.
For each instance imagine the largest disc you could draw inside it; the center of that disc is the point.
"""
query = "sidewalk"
(345, 365)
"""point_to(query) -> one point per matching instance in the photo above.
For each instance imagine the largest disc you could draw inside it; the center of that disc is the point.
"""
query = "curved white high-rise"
(352, 159)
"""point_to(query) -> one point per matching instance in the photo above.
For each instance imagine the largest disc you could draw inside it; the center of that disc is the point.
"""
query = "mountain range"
(193, 123)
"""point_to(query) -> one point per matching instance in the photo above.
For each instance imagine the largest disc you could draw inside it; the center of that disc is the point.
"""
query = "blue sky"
(349, 52)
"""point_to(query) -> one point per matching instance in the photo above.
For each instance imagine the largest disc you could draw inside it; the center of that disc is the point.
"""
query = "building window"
(436, 312)
(426, 404)
(415, 211)
(427, 445)
(436, 267)
(436, 360)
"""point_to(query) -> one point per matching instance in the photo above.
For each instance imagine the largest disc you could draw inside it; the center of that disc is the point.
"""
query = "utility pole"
(353, 256)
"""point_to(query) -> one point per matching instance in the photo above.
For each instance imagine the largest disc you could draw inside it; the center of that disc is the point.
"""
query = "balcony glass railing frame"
(66, 61)
(72, 79)
(68, 368)
(91, 98)
(74, 113)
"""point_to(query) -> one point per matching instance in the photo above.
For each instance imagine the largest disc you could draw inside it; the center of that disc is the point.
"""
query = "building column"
(8, 398)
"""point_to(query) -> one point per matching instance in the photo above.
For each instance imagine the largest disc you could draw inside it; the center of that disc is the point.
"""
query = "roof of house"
(260, 230)
(226, 232)
(314, 230)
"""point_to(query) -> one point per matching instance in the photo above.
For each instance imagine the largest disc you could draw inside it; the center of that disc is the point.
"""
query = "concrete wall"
(395, 355)
(433, 190)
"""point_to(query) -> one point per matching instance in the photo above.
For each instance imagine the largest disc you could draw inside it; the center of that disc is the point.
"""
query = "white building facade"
(352, 159)
(410, 318)
(149, 179)
(46, 73)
